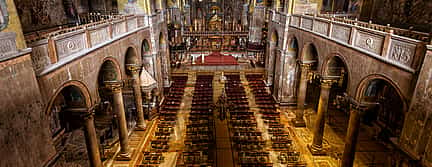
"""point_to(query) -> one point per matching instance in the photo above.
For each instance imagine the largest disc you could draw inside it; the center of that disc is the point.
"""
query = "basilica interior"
(216, 83)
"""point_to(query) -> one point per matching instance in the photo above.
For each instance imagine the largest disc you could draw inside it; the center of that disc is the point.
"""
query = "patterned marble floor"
(369, 151)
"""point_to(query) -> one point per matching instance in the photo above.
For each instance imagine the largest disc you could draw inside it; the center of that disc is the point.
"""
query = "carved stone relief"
(419, 111)
(341, 33)
(289, 79)
(40, 57)
(70, 45)
(321, 27)
(7, 44)
(307, 23)
(4, 15)
(149, 65)
(99, 35)
(402, 52)
(119, 28)
(132, 24)
(295, 21)
(370, 42)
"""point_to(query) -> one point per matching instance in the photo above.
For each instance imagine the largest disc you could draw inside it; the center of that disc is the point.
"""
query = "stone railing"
(397, 31)
(62, 46)
(277, 17)
(44, 34)
(383, 44)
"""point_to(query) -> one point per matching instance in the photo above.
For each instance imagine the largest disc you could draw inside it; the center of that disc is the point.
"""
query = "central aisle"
(223, 143)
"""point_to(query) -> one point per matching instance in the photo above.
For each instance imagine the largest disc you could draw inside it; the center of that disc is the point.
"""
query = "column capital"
(327, 83)
(133, 68)
(305, 66)
(114, 86)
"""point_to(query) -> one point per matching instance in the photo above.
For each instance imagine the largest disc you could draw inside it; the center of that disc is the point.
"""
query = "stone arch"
(274, 37)
(338, 61)
(131, 59)
(162, 42)
(145, 46)
(289, 81)
(309, 53)
(72, 83)
(382, 89)
(131, 56)
(164, 59)
(272, 53)
(293, 44)
(65, 113)
(335, 66)
(363, 84)
(147, 59)
(113, 64)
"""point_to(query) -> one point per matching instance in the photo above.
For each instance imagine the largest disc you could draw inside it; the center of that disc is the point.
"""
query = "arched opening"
(164, 59)
(107, 126)
(291, 73)
(336, 68)
(147, 59)
(390, 114)
(273, 52)
(310, 56)
(65, 124)
(131, 58)
(133, 68)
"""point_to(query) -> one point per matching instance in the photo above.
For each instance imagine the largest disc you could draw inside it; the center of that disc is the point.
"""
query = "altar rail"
(382, 42)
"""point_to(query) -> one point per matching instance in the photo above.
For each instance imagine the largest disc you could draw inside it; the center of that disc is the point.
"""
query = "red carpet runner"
(216, 58)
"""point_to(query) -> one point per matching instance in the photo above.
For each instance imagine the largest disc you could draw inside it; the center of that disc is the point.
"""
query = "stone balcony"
(54, 49)
(402, 48)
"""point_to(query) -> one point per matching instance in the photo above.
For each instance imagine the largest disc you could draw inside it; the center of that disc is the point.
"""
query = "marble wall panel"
(99, 35)
(321, 27)
(341, 33)
(402, 52)
(370, 42)
(70, 45)
(307, 23)
(40, 57)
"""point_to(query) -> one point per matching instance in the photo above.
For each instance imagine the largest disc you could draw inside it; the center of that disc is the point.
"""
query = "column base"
(317, 150)
(124, 156)
(299, 123)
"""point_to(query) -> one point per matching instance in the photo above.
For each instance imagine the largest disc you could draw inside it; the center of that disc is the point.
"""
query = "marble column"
(318, 132)
(134, 69)
(118, 106)
(299, 121)
(351, 137)
(91, 141)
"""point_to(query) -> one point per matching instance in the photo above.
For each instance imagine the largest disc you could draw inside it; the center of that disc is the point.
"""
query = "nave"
(229, 119)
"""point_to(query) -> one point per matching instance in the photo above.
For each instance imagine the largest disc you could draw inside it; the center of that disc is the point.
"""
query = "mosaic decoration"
(4, 15)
